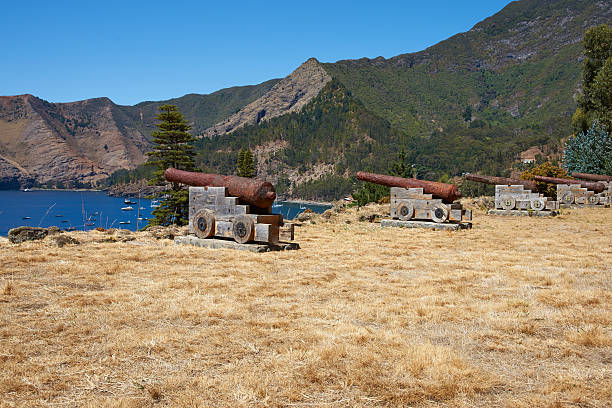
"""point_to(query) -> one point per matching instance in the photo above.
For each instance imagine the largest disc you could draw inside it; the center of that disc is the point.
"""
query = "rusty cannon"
(502, 181)
(580, 193)
(255, 192)
(446, 192)
(413, 199)
(593, 177)
(516, 197)
(231, 207)
(594, 186)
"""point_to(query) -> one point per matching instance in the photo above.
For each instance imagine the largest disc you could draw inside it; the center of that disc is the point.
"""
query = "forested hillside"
(518, 69)
(471, 103)
(333, 128)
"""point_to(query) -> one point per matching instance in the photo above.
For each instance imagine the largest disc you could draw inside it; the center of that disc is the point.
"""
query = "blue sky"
(133, 51)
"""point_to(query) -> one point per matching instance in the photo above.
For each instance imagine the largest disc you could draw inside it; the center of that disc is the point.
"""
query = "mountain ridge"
(289, 95)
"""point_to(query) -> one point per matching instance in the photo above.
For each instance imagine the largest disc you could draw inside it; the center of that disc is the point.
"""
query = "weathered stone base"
(216, 243)
(426, 224)
(574, 206)
(523, 213)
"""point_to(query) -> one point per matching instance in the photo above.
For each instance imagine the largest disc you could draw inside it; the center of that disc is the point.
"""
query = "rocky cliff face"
(64, 142)
(13, 176)
(85, 141)
(290, 94)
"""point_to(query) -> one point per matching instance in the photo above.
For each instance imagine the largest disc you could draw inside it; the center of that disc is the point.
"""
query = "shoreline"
(307, 202)
(54, 189)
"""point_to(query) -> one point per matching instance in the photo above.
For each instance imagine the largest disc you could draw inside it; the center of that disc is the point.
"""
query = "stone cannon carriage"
(572, 192)
(516, 197)
(413, 199)
(231, 207)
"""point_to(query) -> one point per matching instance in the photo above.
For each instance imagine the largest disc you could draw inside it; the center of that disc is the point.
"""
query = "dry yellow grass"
(515, 312)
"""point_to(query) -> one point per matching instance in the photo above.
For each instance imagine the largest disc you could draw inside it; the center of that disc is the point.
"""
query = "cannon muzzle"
(255, 192)
(589, 185)
(446, 192)
(592, 177)
(504, 181)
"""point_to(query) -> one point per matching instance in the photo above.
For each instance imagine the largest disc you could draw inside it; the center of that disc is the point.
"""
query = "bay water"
(85, 210)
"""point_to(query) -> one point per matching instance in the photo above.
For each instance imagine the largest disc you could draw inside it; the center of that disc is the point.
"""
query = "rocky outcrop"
(288, 95)
(22, 234)
(13, 176)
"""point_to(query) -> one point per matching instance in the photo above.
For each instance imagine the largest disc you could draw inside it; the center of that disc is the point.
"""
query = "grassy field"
(514, 313)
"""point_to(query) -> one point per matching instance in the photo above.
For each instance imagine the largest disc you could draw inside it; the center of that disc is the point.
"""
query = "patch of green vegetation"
(328, 187)
(123, 176)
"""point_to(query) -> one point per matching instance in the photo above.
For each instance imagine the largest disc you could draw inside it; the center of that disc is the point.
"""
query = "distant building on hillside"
(529, 155)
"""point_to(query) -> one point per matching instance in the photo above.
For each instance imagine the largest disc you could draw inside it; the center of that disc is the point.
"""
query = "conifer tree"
(172, 147)
(240, 162)
(245, 164)
(589, 152)
(595, 103)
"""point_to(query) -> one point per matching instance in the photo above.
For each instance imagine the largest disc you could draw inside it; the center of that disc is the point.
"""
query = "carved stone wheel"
(405, 211)
(593, 199)
(507, 203)
(439, 213)
(567, 197)
(204, 223)
(537, 204)
(243, 229)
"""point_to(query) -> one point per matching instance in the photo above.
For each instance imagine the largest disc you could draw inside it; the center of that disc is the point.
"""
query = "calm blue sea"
(90, 209)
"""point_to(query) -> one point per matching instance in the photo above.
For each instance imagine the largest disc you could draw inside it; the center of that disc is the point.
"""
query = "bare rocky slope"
(65, 143)
(290, 94)
(81, 143)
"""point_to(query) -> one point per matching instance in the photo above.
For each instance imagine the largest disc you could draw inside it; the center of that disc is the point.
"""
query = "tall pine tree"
(172, 147)
(246, 164)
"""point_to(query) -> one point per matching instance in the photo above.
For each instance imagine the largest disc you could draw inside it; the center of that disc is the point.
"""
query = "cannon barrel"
(504, 181)
(592, 177)
(589, 185)
(255, 192)
(446, 192)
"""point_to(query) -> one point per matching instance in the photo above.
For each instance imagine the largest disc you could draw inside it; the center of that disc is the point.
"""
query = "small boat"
(128, 201)
(154, 204)
(142, 218)
(89, 224)
(128, 208)
(59, 215)
(25, 190)
(125, 222)
(65, 221)
(71, 229)
(26, 218)
(141, 208)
